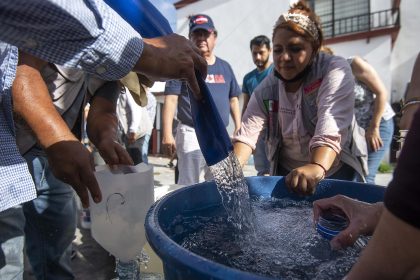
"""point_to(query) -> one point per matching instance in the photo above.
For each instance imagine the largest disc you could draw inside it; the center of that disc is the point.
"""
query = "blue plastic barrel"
(181, 264)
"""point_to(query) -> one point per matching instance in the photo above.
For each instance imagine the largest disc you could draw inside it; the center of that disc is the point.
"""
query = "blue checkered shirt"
(75, 33)
(16, 185)
(86, 34)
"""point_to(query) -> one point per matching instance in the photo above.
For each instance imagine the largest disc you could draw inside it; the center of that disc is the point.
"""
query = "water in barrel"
(285, 244)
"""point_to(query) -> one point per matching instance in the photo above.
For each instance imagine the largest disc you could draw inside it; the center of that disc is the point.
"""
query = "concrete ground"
(93, 262)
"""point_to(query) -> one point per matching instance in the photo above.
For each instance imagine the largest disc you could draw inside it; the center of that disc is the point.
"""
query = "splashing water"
(284, 245)
(131, 269)
(233, 189)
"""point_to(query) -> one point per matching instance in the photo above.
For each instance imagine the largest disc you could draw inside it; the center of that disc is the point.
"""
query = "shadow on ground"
(90, 262)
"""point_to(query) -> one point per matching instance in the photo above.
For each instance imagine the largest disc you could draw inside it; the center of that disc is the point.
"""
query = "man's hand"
(102, 125)
(72, 163)
(172, 57)
(131, 137)
(112, 152)
(168, 145)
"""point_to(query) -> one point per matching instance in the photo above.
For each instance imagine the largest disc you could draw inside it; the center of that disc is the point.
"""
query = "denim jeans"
(386, 130)
(50, 222)
(145, 148)
(12, 224)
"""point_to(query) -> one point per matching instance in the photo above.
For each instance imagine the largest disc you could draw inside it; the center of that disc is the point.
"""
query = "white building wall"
(406, 47)
(377, 51)
(380, 5)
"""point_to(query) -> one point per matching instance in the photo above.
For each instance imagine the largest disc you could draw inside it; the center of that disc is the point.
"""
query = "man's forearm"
(168, 114)
(102, 120)
(246, 101)
(392, 253)
(32, 102)
(235, 112)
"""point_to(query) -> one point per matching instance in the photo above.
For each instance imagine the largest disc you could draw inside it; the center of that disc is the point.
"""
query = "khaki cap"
(135, 84)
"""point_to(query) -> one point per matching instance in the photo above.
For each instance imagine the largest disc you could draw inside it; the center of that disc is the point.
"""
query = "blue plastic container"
(181, 264)
(330, 224)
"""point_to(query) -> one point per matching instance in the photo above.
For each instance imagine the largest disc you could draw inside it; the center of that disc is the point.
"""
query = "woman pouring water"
(306, 104)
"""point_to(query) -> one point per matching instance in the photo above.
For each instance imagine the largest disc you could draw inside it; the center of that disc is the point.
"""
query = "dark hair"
(259, 41)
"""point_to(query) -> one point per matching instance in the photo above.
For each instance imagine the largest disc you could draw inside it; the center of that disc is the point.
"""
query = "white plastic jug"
(118, 220)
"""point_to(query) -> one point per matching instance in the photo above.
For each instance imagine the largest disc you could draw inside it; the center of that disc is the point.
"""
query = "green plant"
(385, 168)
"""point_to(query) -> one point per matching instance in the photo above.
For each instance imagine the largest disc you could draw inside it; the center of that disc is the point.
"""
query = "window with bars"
(340, 17)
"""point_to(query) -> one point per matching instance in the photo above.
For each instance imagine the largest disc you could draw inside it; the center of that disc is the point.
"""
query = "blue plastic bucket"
(181, 264)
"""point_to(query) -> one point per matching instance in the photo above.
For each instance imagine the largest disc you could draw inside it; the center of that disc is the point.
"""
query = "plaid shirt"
(16, 185)
(86, 34)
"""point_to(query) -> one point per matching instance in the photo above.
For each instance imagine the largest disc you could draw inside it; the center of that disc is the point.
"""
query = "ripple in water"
(284, 245)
